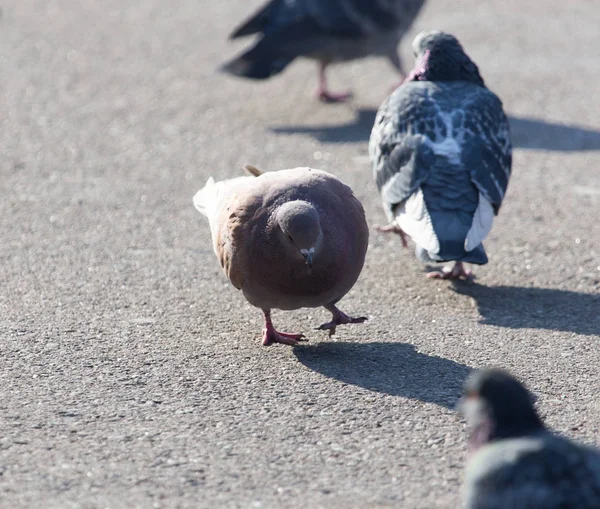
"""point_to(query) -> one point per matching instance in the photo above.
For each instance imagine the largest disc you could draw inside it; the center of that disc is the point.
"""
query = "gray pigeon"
(516, 462)
(326, 30)
(442, 156)
(288, 239)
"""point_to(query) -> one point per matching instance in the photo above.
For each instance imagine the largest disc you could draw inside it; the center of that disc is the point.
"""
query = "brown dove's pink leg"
(393, 228)
(456, 272)
(270, 335)
(339, 318)
(323, 94)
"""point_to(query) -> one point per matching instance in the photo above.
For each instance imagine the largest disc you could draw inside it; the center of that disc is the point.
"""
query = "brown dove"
(287, 239)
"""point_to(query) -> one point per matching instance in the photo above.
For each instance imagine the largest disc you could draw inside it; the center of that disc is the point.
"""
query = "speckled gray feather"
(542, 471)
(450, 141)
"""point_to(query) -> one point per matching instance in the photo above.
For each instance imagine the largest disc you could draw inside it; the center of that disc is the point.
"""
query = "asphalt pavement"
(131, 371)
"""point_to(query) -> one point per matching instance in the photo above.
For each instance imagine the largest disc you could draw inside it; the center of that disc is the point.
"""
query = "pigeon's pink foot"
(329, 97)
(456, 272)
(324, 94)
(270, 335)
(393, 228)
(339, 318)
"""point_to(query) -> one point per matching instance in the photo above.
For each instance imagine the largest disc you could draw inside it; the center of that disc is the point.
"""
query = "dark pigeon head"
(440, 57)
(497, 406)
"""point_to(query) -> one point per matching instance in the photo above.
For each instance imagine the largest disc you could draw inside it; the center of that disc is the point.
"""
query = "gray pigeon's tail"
(257, 64)
(253, 170)
(277, 49)
(455, 253)
(257, 22)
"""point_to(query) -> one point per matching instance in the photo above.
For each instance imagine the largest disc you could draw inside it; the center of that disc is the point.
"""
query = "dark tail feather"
(476, 256)
(253, 170)
(256, 64)
(257, 22)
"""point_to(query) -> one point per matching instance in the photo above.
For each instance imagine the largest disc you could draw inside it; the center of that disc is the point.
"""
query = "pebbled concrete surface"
(131, 371)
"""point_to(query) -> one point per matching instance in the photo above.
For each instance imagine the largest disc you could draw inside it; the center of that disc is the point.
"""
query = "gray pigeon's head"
(440, 57)
(428, 38)
(301, 228)
(497, 406)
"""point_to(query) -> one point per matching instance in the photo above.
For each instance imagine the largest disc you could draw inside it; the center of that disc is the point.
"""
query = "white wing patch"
(449, 147)
(414, 219)
(482, 224)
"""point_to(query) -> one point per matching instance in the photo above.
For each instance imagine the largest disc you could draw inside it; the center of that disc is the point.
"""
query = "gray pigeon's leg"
(323, 94)
(339, 318)
(393, 228)
(270, 335)
(456, 272)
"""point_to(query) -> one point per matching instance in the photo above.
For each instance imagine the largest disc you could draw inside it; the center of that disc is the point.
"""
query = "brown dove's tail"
(252, 170)
(205, 199)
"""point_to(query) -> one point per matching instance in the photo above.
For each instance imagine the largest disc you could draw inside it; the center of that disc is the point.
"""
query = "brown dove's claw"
(271, 336)
(339, 318)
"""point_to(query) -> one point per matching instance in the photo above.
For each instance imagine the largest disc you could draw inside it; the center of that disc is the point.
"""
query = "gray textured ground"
(131, 371)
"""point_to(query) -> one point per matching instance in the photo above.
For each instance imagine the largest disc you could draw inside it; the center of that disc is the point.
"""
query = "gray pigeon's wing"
(543, 472)
(259, 21)
(397, 147)
(487, 149)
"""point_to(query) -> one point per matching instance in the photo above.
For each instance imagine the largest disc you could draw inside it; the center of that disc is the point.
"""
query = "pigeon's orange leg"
(456, 272)
(393, 228)
(270, 335)
(339, 318)
(323, 94)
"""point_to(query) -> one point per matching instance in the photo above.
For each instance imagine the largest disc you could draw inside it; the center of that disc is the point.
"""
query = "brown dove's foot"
(270, 335)
(393, 228)
(329, 97)
(456, 272)
(339, 318)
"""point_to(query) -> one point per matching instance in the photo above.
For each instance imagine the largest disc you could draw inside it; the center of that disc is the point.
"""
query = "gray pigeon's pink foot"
(456, 272)
(270, 335)
(393, 228)
(339, 318)
(329, 97)
(323, 93)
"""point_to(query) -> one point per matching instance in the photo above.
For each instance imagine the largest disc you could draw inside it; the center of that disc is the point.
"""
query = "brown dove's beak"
(308, 255)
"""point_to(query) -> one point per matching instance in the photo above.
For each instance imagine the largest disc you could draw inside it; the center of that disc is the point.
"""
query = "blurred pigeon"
(442, 156)
(326, 30)
(288, 239)
(516, 462)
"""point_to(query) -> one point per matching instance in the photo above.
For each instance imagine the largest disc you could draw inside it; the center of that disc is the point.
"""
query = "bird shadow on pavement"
(526, 133)
(530, 133)
(389, 368)
(535, 308)
(359, 130)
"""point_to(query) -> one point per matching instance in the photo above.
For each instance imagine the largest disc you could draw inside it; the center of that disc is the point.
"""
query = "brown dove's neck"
(300, 224)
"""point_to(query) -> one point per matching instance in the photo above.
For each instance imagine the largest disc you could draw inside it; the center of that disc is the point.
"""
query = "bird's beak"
(308, 255)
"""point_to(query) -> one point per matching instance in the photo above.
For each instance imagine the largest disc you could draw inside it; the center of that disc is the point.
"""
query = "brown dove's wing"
(230, 206)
